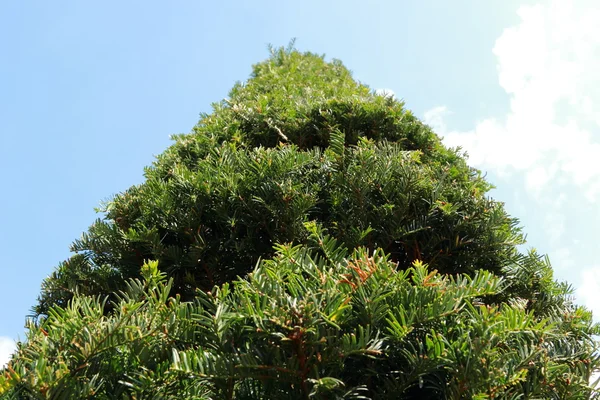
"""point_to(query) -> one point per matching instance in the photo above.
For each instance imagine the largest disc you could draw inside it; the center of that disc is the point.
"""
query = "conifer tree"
(308, 239)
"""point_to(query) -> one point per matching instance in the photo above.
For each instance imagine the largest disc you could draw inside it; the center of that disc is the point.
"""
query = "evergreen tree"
(308, 239)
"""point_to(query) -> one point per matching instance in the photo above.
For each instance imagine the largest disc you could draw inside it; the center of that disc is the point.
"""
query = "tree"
(309, 239)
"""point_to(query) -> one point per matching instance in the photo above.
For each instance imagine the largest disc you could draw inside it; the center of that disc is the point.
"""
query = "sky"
(91, 91)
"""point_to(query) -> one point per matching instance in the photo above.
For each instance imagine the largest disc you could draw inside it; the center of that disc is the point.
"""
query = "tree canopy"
(308, 239)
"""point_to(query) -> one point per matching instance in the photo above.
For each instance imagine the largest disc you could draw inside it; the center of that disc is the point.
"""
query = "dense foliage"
(309, 239)
(261, 165)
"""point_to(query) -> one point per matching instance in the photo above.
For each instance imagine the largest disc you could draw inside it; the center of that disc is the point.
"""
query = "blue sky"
(90, 91)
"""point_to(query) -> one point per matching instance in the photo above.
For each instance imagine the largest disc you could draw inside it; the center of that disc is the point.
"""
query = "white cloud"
(549, 67)
(554, 226)
(562, 258)
(385, 93)
(537, 177)
(588, 291)
(7, 347)
(435, 118)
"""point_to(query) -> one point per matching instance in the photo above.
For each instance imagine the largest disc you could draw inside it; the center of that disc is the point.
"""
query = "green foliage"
(320, 322)
(381, 268)
(257, 168)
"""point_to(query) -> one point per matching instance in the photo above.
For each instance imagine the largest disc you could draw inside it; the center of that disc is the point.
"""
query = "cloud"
(549, 65)
(385, 93)
(435, 118)
(562, 258)
(548, 143)
(588, 291)
(7, 347)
